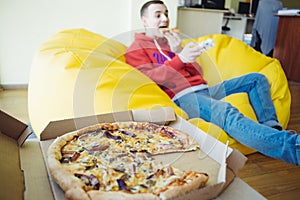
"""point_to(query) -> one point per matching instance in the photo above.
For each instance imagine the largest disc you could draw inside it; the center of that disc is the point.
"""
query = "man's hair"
(147, 4)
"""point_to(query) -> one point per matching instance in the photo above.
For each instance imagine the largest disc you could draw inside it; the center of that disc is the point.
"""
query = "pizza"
(165, 30)
(116, 161)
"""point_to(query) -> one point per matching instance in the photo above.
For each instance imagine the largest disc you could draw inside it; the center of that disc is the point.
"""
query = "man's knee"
(260, 77)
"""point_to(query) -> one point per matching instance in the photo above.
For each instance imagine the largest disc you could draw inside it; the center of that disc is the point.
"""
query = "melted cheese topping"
(121, 159)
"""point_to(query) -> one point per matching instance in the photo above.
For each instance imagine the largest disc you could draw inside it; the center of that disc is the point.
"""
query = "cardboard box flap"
(60, 127)
(160, 116)
(222, 172)
(236, 161)
(14, 128)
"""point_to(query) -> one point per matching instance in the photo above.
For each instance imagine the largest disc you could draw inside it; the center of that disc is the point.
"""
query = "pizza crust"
(165, 30)
(76, 193)
(120, 195)
(193, 181)
(63, 177)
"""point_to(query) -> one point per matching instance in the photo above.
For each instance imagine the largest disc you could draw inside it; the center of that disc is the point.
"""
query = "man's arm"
(161, 74)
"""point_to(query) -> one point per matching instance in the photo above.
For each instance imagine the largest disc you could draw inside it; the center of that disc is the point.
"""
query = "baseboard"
(14, 87)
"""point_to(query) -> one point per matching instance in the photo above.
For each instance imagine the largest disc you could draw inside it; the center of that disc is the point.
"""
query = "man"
(265, 26)
(174, 69)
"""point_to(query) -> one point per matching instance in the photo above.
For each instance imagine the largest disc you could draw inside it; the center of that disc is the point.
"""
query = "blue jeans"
(261, 136)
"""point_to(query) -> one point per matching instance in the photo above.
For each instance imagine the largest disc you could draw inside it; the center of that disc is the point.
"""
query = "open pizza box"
(24, 173)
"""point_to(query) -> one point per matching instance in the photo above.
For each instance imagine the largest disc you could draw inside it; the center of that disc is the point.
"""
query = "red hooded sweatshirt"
(171, 75)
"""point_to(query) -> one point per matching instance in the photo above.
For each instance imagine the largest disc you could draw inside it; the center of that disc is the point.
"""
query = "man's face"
(156, 16)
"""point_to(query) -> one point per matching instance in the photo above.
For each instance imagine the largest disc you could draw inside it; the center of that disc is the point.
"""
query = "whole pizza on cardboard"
(115, 161)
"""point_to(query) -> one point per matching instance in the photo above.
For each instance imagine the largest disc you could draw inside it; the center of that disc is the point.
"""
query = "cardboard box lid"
(14, 128)
(12, 179)
(13, 133)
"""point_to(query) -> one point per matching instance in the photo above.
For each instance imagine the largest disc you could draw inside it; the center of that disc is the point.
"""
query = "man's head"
(154, 15)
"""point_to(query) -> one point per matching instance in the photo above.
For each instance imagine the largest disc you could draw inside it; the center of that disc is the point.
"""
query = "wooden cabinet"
(287, 45)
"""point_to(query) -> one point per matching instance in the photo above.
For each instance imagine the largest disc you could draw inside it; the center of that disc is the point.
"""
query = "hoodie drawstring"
(160, 50)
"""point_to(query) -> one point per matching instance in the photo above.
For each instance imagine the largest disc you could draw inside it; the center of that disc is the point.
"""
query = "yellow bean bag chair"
(79, 73)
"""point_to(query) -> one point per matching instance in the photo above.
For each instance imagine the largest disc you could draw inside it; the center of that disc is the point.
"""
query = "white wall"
(26, 24)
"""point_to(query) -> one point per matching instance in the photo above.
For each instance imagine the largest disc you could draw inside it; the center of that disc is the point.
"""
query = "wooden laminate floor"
(272, 178)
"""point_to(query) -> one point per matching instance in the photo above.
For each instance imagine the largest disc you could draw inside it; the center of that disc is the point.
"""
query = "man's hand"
(190, 52)
(174, 41)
